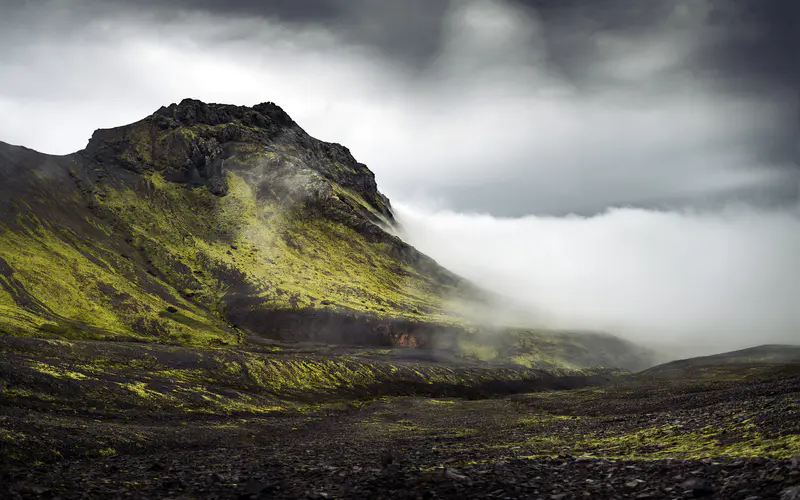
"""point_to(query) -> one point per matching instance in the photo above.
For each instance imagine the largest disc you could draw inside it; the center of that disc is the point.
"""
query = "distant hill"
(754, 361)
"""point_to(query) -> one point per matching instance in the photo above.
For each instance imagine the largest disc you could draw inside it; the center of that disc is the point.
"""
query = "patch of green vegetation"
(557, 351)
(141, 390)
(85, 290)
(357, 201)
(446, 402)
(57, 371)
(477, 351)
(734, 439)
(9, 435)
(15, 319)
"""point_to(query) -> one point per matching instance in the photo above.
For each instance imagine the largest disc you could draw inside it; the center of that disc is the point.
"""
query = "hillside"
(226, 214)
(208, 224)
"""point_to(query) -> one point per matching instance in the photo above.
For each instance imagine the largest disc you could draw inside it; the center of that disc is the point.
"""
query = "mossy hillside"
(286, 259)
(13, 318)
(139, 379)
(100, 244)
(64, 283)
(549, 349)
(306, 207)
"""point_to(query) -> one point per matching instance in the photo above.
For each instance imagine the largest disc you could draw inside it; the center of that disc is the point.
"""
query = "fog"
(714, 280)
(488, 123)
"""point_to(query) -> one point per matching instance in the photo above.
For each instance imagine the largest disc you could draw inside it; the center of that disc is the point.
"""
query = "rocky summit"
(210, 303)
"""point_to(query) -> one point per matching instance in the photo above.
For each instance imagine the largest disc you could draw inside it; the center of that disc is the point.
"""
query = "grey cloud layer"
(556, 107)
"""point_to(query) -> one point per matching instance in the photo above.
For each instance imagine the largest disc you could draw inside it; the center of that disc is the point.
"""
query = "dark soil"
(727, 434)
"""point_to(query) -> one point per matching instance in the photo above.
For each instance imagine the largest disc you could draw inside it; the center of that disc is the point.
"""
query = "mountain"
(227, 214)
(208, 224)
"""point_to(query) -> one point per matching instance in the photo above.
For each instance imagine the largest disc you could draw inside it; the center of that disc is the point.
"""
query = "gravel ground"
(726, 434)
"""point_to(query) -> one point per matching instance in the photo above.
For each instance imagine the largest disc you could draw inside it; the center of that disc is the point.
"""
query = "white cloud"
(713, 280)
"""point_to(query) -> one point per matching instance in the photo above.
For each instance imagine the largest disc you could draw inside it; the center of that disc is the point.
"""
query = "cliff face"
(202, 223)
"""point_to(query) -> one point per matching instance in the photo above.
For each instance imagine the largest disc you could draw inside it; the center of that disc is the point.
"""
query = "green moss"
(91, 291)
(287, 257)
(57, 371)
(478, 351)
(446, 402)
(13, 436)
(142, 391)
(735, 439)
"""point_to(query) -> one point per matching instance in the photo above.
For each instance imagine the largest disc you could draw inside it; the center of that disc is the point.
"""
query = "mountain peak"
(198, 144)
(191, 112)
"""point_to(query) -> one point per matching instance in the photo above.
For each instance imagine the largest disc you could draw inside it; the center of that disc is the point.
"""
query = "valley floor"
(729, 432)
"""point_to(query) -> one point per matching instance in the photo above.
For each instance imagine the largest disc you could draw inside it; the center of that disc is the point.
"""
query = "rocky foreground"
(713, 429)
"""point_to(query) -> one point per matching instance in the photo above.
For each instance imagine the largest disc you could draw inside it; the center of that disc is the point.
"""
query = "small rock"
(34, 489)
(387, 457)
(256, 487)
(792, 493)
(455, 475)
(699, 487)
(172, 309)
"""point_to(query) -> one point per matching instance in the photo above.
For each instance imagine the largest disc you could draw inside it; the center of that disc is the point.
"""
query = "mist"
(700, 281)
(637, 176)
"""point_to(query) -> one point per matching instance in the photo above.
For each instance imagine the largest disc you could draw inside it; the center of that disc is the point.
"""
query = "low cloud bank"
(695, 282)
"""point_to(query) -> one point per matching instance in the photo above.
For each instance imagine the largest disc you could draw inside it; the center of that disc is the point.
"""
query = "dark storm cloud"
(743, 47)
(407, 30)
(755, 40)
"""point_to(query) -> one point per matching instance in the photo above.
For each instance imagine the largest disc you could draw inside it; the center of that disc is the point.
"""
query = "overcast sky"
(487, 122)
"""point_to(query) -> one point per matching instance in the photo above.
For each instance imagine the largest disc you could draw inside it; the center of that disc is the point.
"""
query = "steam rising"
(510, 117)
